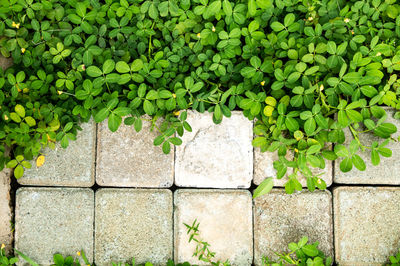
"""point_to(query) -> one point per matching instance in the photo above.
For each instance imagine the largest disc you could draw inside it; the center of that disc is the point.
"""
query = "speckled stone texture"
(5, 62)
(129, 159)
(6, 236)
(386, 173)
(215, 156)
(225, 218)
(280, 218)
(264, 168)
(367, 224)
(133, 223)
(73, 166)
(54, 220)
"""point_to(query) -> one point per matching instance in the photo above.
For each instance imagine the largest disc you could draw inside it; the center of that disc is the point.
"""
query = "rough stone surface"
(133, 223)
(264, 168)
(73, 166)
(54, 220)
(5, 62)
(380, 174)
(225, 218)
(280, 218)
(6, 236)
(217, 156)
(367, 224)
(129, 159)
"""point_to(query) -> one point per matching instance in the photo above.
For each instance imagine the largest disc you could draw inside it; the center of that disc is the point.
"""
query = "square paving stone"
(380, 174)
(367, 224)
(54, 220)
(6, 235)
(264, 168)
(133, 223)
(73, 166)
(129, 159)
(280, 218)
(225, 218)
(215, 156)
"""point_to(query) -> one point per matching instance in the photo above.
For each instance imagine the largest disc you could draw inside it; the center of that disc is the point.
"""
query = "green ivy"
(306, 70)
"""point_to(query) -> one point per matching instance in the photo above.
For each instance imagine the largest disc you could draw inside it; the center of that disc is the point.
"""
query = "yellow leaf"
(270, 101)
(268, 110)
(40, 161)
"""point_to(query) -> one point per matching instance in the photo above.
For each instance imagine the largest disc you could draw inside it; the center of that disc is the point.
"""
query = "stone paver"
(280, 218)
(73, 166)
(264, 168)
(54, 220)
(6, 235)
(5, 62)
(367, 224)
(217, 156)
(129, 159)
(225, 218)
(388, 168)
(133, 223)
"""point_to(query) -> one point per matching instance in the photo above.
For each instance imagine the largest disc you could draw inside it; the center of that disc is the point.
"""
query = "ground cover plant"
(306, 70)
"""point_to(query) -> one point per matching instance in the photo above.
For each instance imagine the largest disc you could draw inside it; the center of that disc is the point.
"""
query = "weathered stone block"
(5, 62)
(129, 159)
(280, 218)
(264, 168)
(384, 173)
(218, 156)
(225, 218)
(133, 223)
(73, 166)
(6, 235)
(367, 224)
(54, 220)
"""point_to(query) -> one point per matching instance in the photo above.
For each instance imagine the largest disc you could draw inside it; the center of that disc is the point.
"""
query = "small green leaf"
(264, 188)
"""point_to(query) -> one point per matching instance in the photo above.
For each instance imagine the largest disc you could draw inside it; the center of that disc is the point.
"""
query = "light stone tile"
(280, 218)
(133, 223)
(367, 224)
(386, 173)
(6, 235)
(54, 220)
(73, 166)
(215, 156)
(225, 218)
(129, 159)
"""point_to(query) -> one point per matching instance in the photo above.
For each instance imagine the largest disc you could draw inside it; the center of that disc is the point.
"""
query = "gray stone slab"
(5, 62)
(367, 224)
(264, 168)
(215, 156)
(6, 235)
(386, 173)
(225, 218)
(129, 159)
(54, 220)
(73, 166)
(133, 223)
(280, 218)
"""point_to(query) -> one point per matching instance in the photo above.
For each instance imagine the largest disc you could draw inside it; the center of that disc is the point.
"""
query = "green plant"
(307, 70)
(202, 251)
(395, 260)
(4, 260)
(306, 254)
